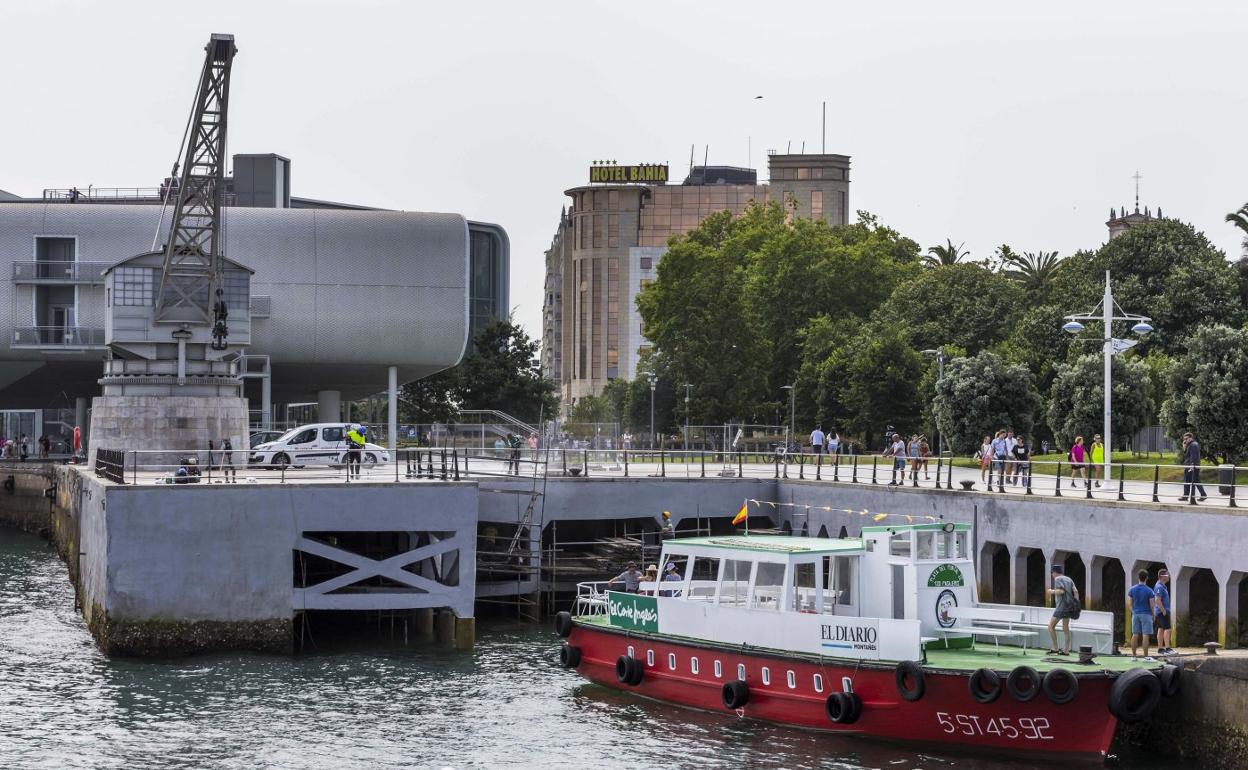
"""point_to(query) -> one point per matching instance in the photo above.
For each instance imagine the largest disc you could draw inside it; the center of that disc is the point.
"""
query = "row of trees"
(744, 306)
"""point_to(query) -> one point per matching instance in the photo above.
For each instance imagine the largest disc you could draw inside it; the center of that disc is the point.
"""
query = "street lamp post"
(1109, 346)
(940, 375)
(653, 381)
(792, 427)
(687, 387)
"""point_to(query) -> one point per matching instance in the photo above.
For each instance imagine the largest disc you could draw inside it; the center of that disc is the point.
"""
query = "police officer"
(355, 443)
(227, 461)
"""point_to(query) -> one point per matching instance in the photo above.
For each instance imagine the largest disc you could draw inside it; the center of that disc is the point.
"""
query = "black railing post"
(1122, 470)
(585, 463)
(625, 463)
(740, 465)
(777, 462)
(914, 474)
(1057, 490)
(1156, 483)
(818, 467)
(662, 463)
(1087, 484)
(702, 457)
(836, 467)
(564, 452)
(1030, 466)
(455, 459)
(854, 479)
(1234, 478)
(940, 464)
(874, 462)
(801, 465)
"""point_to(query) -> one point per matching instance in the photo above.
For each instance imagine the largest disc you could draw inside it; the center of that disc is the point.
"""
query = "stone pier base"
(156, 638)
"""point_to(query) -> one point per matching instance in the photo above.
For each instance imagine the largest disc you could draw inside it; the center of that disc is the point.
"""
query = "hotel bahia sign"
(644, 173)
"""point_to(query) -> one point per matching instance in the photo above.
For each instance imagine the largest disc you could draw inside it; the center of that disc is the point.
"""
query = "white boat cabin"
(878, 596)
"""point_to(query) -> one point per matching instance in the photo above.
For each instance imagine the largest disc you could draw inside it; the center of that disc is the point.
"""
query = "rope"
(875, 516)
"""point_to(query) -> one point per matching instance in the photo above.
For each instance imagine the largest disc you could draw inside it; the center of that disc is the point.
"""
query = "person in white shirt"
(898, 452)
(816, 439)
(834, 443)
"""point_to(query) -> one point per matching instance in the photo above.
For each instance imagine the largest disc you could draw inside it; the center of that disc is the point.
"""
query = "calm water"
(504, 704)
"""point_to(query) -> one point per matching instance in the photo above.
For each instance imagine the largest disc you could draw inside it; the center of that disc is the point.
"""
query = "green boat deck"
(985, 655)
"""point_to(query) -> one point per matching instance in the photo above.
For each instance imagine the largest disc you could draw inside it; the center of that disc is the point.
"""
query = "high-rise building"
(608, 244)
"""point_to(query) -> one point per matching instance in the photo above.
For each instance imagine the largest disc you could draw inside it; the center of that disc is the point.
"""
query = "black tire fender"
(855, 703)
(735, 694)
(1060, 686)
(838, 707)
(637, 674)
(911, 684)
(563, 623)
(628, 670)
(1134, 695)
(1171, 680)
(1023, 683)
(985, 685)
(569, 656)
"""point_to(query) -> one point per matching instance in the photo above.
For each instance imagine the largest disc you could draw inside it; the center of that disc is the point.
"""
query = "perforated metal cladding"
(374, 288)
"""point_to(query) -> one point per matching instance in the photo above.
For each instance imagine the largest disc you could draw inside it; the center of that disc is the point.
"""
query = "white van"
(324, 443)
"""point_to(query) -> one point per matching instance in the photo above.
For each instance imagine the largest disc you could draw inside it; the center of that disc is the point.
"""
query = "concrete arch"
(1030, 577)
(1074, 567)
(1196, 598)
(994, 573)
(1107, 591)
(1233, 632)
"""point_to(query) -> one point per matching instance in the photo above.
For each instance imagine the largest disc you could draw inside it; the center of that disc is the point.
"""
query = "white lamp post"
(1141, 327)
(792, 428)
(940, 375)
(687, 387)
(653, 381)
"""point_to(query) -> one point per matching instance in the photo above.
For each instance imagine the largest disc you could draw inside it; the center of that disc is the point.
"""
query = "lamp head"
(1072, 327)
(1143, 328)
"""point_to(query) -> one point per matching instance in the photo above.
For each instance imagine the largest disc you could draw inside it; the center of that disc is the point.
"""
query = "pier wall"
(26, 506)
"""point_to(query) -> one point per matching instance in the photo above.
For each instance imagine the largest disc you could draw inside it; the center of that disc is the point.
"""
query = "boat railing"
(591, 598)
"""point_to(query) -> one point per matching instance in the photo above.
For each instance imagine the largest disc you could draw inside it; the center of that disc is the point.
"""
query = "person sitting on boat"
(670, 573)
(630, 577)
(652, 577)
(1065, 602)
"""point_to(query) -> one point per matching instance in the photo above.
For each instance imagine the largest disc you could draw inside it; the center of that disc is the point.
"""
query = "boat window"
(837, 582)
(671, 661)
(899, 544)
(766, 675)
(960, 550)
(927, 542)
(631, 653)
(702, 582)
(736, 582)
(693, 665)
(804, 577)
(768, 583)
(818, 682)
(649, 657)
(671, 581)
(790, 679)
(719, 670)
(741, 671)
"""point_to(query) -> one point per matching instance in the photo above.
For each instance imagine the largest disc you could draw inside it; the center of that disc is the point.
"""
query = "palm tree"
(1034, 271)
(1240, 220)
(945, 255)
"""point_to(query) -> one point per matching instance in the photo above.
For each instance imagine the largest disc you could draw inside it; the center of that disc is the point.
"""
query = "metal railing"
(118, 195)
(58, 337)
(59, 271)
(111, 464)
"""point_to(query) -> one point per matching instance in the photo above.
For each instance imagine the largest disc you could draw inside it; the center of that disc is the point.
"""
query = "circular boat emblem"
(945, 602)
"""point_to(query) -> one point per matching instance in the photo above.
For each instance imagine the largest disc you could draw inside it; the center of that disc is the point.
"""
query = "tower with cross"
(1120, 220)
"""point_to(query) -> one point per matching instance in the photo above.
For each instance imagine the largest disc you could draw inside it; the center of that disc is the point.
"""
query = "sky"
(982, 122)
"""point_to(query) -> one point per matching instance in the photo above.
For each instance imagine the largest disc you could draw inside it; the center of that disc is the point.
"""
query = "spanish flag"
(742, 515)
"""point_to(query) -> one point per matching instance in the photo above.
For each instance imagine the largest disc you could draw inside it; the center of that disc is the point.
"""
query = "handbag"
(1076, 609)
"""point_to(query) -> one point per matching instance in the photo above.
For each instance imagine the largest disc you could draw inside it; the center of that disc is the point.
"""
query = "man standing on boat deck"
(1161, 619)
(1143, 601)
(630, 577)
(816, 439)
(1066, 595)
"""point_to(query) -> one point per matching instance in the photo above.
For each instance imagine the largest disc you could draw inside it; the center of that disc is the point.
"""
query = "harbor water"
(367, 703)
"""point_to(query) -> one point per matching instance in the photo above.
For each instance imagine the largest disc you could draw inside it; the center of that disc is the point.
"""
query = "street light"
(940, 375)
(687, 387)
(792, 399)
(1109, 346)
(653, 381)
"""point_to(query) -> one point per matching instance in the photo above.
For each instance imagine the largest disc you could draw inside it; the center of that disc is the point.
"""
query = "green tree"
(1207, 392)
(1077, 398)
(881, 378)
(1037, 341)
(1034, 272)
(965, 305)
(501, 373)
(981, 395)
(1163, 269)
(1240, 219)
(945, 255)
(590, 409)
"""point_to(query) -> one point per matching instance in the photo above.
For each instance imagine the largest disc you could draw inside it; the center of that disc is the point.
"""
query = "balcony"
(45, 272)
(58, 337)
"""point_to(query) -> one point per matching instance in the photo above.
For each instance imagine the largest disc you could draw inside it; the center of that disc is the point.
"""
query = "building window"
(237, 287)
(803, 173)
(613, 230)
(613, 200)
(816, 204)
(600, 230)
(133, 286)
(647, 263)
(646, 282)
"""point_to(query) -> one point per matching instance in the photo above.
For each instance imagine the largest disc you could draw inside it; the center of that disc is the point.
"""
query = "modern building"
(608, 244)
(333, 294)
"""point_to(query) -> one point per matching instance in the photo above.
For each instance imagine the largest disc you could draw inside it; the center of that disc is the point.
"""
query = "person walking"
(816, 440)
(1161, 619)
(513, 444)
(1143, 600)
(897, 451)
(985, 458)
(1065, 602)
(925, 453)
(1191, 470)
(1010, 468)
(1078, 461)
(834, 443)
(1098, 459)
(912, 451)
(1022, 462)
(1000, 452)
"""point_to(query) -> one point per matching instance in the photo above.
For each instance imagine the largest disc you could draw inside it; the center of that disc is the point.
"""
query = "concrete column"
(392, 416)
(424, 623)
(266, 402)
(1018, 575)
(329, 406)
(465, 633)
(444, 627)
(80, 420)
(1228, 608)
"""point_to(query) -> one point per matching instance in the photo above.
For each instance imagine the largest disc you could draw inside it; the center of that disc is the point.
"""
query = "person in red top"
(1078, 461)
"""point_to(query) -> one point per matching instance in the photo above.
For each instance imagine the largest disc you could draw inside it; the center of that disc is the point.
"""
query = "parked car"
(263, 437)
(319, 444)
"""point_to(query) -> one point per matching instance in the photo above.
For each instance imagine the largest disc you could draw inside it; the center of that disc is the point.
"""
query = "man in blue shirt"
(1161, 620)
(1142, 602)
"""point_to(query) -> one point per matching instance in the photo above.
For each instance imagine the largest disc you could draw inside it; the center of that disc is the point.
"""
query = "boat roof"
(775, 544)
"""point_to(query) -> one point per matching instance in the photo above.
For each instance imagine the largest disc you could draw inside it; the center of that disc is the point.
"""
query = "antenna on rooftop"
(823, 148)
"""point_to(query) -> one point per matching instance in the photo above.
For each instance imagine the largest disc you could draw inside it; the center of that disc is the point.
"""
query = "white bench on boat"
(1102, 638)
(979, 614)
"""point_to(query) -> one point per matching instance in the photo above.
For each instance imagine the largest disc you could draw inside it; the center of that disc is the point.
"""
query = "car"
(264, 436)
(323, 443)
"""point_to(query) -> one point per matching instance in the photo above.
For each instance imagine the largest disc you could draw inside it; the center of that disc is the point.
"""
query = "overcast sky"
(987, 122)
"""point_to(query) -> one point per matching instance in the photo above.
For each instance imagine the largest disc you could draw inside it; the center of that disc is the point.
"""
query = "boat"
(880, 636)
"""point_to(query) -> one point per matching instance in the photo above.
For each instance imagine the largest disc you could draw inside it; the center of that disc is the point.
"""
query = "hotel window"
(132, 286)
(613, 200)
(671, 661)
(600, 230)
(741, 671)
(766, 675)
(790, 679)
(649, 657)
(818, 682)
(803, 173)
(816, 204)
(600, 199)
(613, 230)
(816, 173)
(646, 263)
(719, 670)
(693, 665)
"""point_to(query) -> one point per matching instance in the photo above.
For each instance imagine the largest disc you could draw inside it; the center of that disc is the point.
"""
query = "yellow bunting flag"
(741, 516)
(880, 516)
